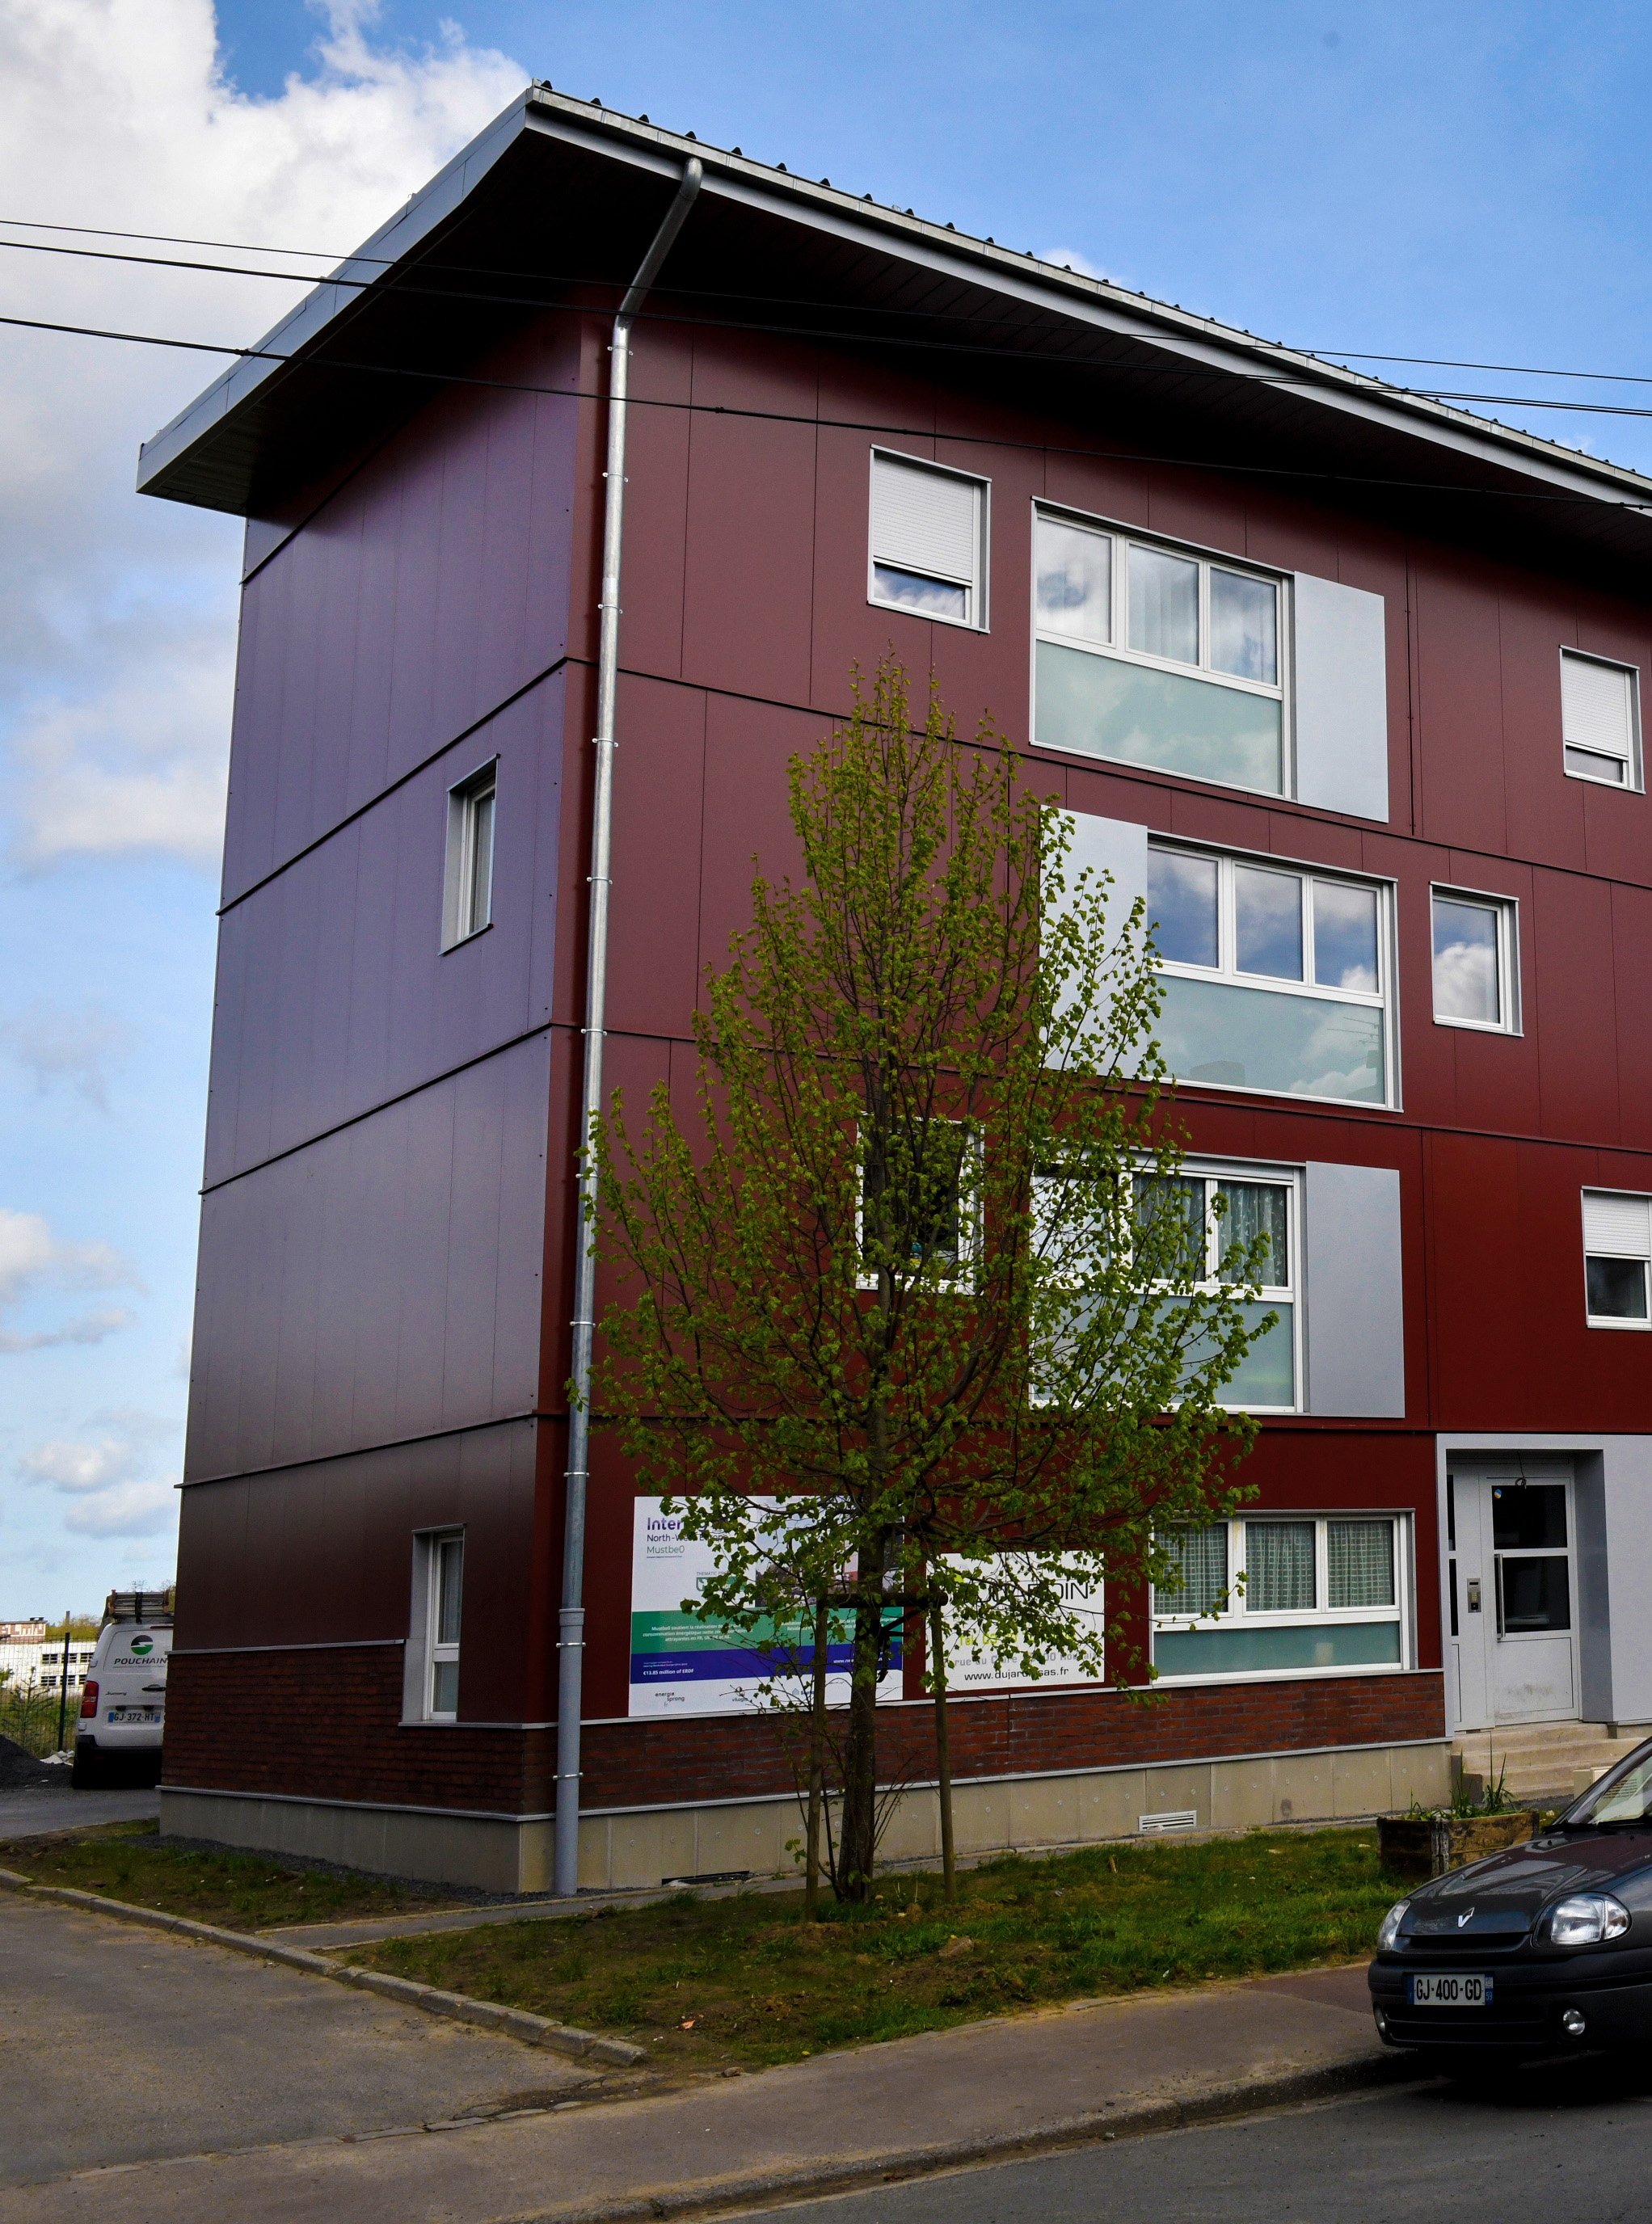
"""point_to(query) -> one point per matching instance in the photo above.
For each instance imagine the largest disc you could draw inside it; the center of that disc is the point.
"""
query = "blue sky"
(1447, 180)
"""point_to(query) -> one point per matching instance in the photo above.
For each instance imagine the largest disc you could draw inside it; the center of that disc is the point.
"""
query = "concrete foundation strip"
(515, 2023)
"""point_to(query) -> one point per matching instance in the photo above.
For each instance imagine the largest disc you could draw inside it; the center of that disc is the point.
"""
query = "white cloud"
(76, 1048)
(104, 1477)
(117, 614)
(67, 1465)
(126, 1509)
(33, 1259)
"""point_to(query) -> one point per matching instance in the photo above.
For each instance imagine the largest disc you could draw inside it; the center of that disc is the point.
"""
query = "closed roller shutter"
(1598, 703)
(1616, 1224)
(925, 521)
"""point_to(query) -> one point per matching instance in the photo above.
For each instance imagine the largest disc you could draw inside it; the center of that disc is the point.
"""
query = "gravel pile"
(21, 1772)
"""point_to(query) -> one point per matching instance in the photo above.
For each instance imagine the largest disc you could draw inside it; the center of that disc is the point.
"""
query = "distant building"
(39, 1665)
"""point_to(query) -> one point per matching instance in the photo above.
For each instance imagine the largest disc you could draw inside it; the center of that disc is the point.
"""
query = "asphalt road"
(121, 2045)
(1572, 2142)
(32, 1814)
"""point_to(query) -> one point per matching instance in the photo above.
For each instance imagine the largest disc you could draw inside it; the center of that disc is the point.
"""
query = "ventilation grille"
(1173, 1819)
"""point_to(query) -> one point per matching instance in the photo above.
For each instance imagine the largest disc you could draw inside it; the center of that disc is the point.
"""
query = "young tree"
(919, 1287)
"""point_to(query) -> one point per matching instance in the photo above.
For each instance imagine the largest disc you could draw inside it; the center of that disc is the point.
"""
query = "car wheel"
(87, 1773)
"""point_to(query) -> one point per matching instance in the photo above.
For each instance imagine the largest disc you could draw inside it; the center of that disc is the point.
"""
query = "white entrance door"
(1513, 1641)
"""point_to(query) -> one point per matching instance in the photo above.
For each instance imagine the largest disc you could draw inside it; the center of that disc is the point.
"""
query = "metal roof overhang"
(555, 203)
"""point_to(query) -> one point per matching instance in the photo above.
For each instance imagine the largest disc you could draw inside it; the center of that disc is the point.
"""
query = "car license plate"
(135, 1714)
(1432, 1992)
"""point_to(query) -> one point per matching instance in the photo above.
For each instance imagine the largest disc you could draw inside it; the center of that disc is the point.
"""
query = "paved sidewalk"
(1013, 2085)
(121, 2045)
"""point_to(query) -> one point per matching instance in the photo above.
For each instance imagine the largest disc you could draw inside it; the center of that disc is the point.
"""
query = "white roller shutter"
(1617, 1225)
(1598, 706)
(925, 520)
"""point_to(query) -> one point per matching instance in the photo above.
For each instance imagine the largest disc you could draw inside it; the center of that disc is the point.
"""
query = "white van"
(124, 1699)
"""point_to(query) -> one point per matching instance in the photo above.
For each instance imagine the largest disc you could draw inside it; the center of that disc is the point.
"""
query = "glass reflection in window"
(1268, 918)
(1181, 901)
(1244, 626)
(1345, 937)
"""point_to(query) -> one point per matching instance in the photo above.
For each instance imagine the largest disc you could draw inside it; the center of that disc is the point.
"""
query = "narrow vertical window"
(1600, 719)
(467, 904)
(927, 551)
(1476, 975)
(447, 1601)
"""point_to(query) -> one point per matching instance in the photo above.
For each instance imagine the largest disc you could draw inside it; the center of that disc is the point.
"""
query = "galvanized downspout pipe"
(572, 1646)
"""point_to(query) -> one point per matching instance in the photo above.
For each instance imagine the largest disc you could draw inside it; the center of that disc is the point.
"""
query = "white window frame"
(1384, 998)
(428, 1546)
(1122, 536)
(459, 923)
(1236, 1614)
(971, 1168)
(975, 586)
(1633, 782)
(1508, 1022)
(1615, 1320)
(1219, 1240)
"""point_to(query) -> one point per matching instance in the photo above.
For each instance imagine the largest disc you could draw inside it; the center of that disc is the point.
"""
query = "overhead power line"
(1332, 358)
(1296, 474)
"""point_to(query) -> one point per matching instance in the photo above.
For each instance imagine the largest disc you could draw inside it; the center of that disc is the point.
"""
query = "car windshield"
(1622, 1795)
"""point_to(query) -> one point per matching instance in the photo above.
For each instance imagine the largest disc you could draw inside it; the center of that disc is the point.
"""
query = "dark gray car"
(1548, 1944)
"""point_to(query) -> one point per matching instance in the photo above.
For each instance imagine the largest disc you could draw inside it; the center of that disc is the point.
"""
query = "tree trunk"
(943, 1755)
(817, 1760)
(858, 1839)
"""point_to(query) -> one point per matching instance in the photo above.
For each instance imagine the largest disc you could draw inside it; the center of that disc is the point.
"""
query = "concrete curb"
(1214, 2105)
(515, 2023)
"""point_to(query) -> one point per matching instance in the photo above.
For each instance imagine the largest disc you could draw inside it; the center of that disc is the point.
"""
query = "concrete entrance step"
(1542, 1762)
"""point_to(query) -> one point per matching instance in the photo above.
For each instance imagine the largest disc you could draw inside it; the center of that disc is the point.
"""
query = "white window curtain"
(1200, 1558)
(1279, 1567)
(1360, 1562)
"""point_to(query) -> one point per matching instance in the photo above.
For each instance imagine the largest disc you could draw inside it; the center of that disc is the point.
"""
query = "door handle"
(1497, 1570)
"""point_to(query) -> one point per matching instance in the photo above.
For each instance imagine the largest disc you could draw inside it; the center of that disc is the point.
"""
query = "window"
(1275, 978)
(467, 901)
(1476, 962)
(931, 1227)
(1158, 656)
(927, 551)
(446, 1590)
(1282, 1595)
(1268, 1378)
(1600, 719)
(1617, 1253)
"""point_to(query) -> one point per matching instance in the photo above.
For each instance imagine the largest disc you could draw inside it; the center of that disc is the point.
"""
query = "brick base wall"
(325, 1723)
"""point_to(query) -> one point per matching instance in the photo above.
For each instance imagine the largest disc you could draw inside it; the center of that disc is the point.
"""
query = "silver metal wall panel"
(1341, 661)
(1352, 1291)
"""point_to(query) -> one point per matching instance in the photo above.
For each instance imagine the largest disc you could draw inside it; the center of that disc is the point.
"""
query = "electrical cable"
(1293, 472)
(1330, 358)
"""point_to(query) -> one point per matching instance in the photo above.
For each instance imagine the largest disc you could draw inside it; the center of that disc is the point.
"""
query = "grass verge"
(747, 1981)
(238, 1892)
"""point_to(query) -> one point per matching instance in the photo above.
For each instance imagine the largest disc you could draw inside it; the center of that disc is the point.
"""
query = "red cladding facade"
(381, 1345)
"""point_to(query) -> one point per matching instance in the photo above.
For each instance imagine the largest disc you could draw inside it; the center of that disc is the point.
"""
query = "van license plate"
(135, 1714)
(1432, 1992)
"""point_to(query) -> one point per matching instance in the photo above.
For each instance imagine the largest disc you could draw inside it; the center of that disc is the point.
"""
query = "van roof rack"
(141, 1606)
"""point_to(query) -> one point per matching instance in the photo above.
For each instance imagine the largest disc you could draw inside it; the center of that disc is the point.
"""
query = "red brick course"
(325, 1722)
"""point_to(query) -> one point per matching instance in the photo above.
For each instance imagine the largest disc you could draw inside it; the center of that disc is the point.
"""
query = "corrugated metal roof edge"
(1024, 275)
